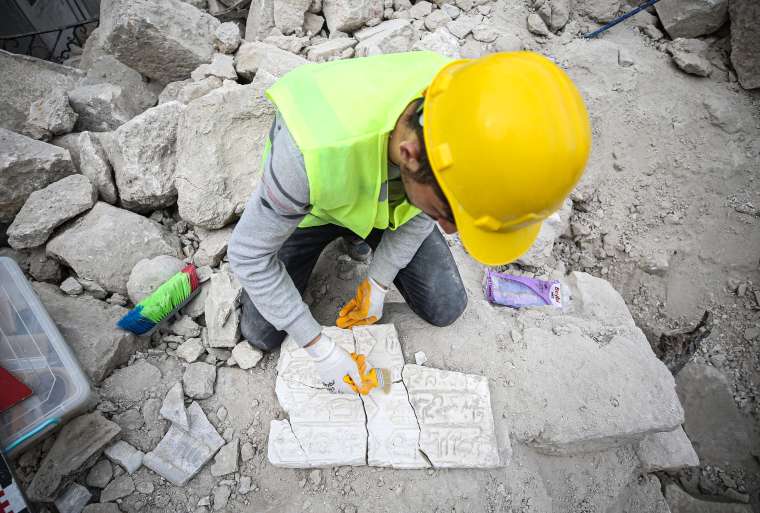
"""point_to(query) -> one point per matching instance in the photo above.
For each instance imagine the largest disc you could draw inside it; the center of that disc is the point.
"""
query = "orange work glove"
(365, 308)
(370, 377)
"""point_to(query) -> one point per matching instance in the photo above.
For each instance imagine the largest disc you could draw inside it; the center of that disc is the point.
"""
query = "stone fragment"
(392, 36)
(101, 107)
(598, 10)
(93, 288)
(745, 33)
(227, 37)
(173, 408)
(441, 41)
(25, 81)
(260, 20)
(100, 474)
(150, 273)
(625, 59)
(163, 41)
(191, 350)
(213, 247)
(540, 253)
(536, 25)
(313, 23)
(508, 43)
(73, 499)
(460, 433)
(484, 33)
(48, 208)
(437, 19)
(221, 66)
(26, 166)
(420, 9)
(251, 56)
(692, 18)
(196, 89)
(291, 43)
(653, 32)
(215, 178)
(125, 455)
(118, 299)
(226, 461)
(245, 486)
(105, 244)
(109, 70)
(172, 89)
(144, 158)
(42, 268)
(198, 380)
(350, 15)
(130, 384)
(555, 13)
(452, 10)
(463, 25)
(118, 488)
(182, 453)
(472, 50)
(667, 451)
(89, 327)
(289, 15)
(222, 310)
(420, 358)
(221, 497)
(246, 356)
(108, 507)
(79, 440)
(247, 452)
(330, 49)
(185, 327)
(71, 287)
(689, 56)
(94, 164)
(681, 502)
(50, 116)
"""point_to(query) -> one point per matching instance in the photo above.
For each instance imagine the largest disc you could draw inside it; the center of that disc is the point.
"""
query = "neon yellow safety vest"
(341, 114)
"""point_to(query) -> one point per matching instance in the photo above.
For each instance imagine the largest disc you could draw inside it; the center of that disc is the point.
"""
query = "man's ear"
(410, 154)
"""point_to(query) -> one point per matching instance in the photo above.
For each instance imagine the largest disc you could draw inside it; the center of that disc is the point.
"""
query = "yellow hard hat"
(507, 136)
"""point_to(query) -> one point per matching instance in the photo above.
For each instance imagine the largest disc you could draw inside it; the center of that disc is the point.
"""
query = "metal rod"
(620, 19)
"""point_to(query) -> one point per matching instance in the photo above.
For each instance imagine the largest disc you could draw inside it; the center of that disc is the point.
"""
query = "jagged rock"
(195, 89)
(393, 36)
(226, 461)
(222, 311)
(463, 25)
(93, 288)
(221, 66)
(25, 81)
(101, 107)
(118, 489)
(94, 164)
(692, 18)
(109, 70)
(150, 273)
(172, 89)
(437, 19)
(291, 43)
(43, 268)
(420, 9)
(289, 15)
(536, 25)
(100, 474)
(71, 287)
(50, 116)
(125, 455)
(668, 451)
(185, 327)
(745, 33)
(144, 158)
(246, 356)
(441, 41)
(681, 502)
(598, 10)
(215, 178)
(49, 208)
(689, 56)
(79, 440)
(105, 244)
(555, 13)
(227, 37)
(94, 48)
(260, 20)
(350, 15)
(213, 247)
(198, 380)
(191, 350)
(173, 408)
(164, 41)
(89, 327)
(221, 497)
(452, 10)
(330, 49)
(26, 166)
(131, 383)
(73, 499)
(508, 43)
(472, 50)
(313, 23)
(251, 56)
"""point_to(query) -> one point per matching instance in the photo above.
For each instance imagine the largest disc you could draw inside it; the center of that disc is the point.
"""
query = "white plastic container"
(33, 350)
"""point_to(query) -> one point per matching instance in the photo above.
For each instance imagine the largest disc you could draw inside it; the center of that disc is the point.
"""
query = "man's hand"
(333, 364)
(365, 308)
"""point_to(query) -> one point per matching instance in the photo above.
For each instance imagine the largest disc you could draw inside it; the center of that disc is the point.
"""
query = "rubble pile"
(138, 157)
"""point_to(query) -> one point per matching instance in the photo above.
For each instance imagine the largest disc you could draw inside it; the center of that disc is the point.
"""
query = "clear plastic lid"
(33, 350)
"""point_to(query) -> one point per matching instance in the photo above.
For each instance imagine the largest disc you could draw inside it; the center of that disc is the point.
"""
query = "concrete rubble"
(221, 66)
(668, 451)
(692, 18)
(123, 454)
(689, 55)
(95, 165)
(227, 37)
(246, 356)
(118, 489)
(73, 499)
(131, 383)
(101, 107)
(100, 474)
(173, 408)
(223, 311)
(107, 69)
(50, 116)
(198, 380)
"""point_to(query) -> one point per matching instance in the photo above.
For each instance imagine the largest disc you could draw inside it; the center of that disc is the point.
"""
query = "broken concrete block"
(420, 9)
(463, 25)
(50, 116)
(144, 158)
(420, 358)
(196, 89)
(508, 43)
(198, 380)
(48, 208)
(150, 273)
(555, 13)
(681, 502)
(313, 24)
(598, 10)
(163, 41)
(289, 15)
(101, 107)
(666, 451)
(221, 497)
(227, 37)
(692, 18)
(89, 327)
(392, 36)
(436, 19)
(185, 327)
(536, 25)
(173, 408)
(26, 80)
(129, 384)
(226, 461)
(252, 56)
(172, 89)
(222, 310)
(330, 49)
(350, 15)
(125, 455)
(191, 350)
(459, 431)
(260, 20)
(118, 488)
(79, 440)
(745, 33)
(221, 66)
(100, 474)
(109, 70)
(105, 244)
(26, 166)
(213, 247)
(440, 41)
(94, 164)
(246, 356)
(689, 56)
(73, 499)
(181, 454)
(214, 178)
(42, 268)
(71, 287)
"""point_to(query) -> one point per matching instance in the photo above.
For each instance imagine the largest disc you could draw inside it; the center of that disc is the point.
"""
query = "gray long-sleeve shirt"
(273, 213)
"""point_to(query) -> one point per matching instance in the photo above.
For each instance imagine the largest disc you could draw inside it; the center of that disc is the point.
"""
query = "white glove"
(333, 362)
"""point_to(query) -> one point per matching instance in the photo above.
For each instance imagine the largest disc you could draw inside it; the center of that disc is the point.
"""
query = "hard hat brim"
(494, 248)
